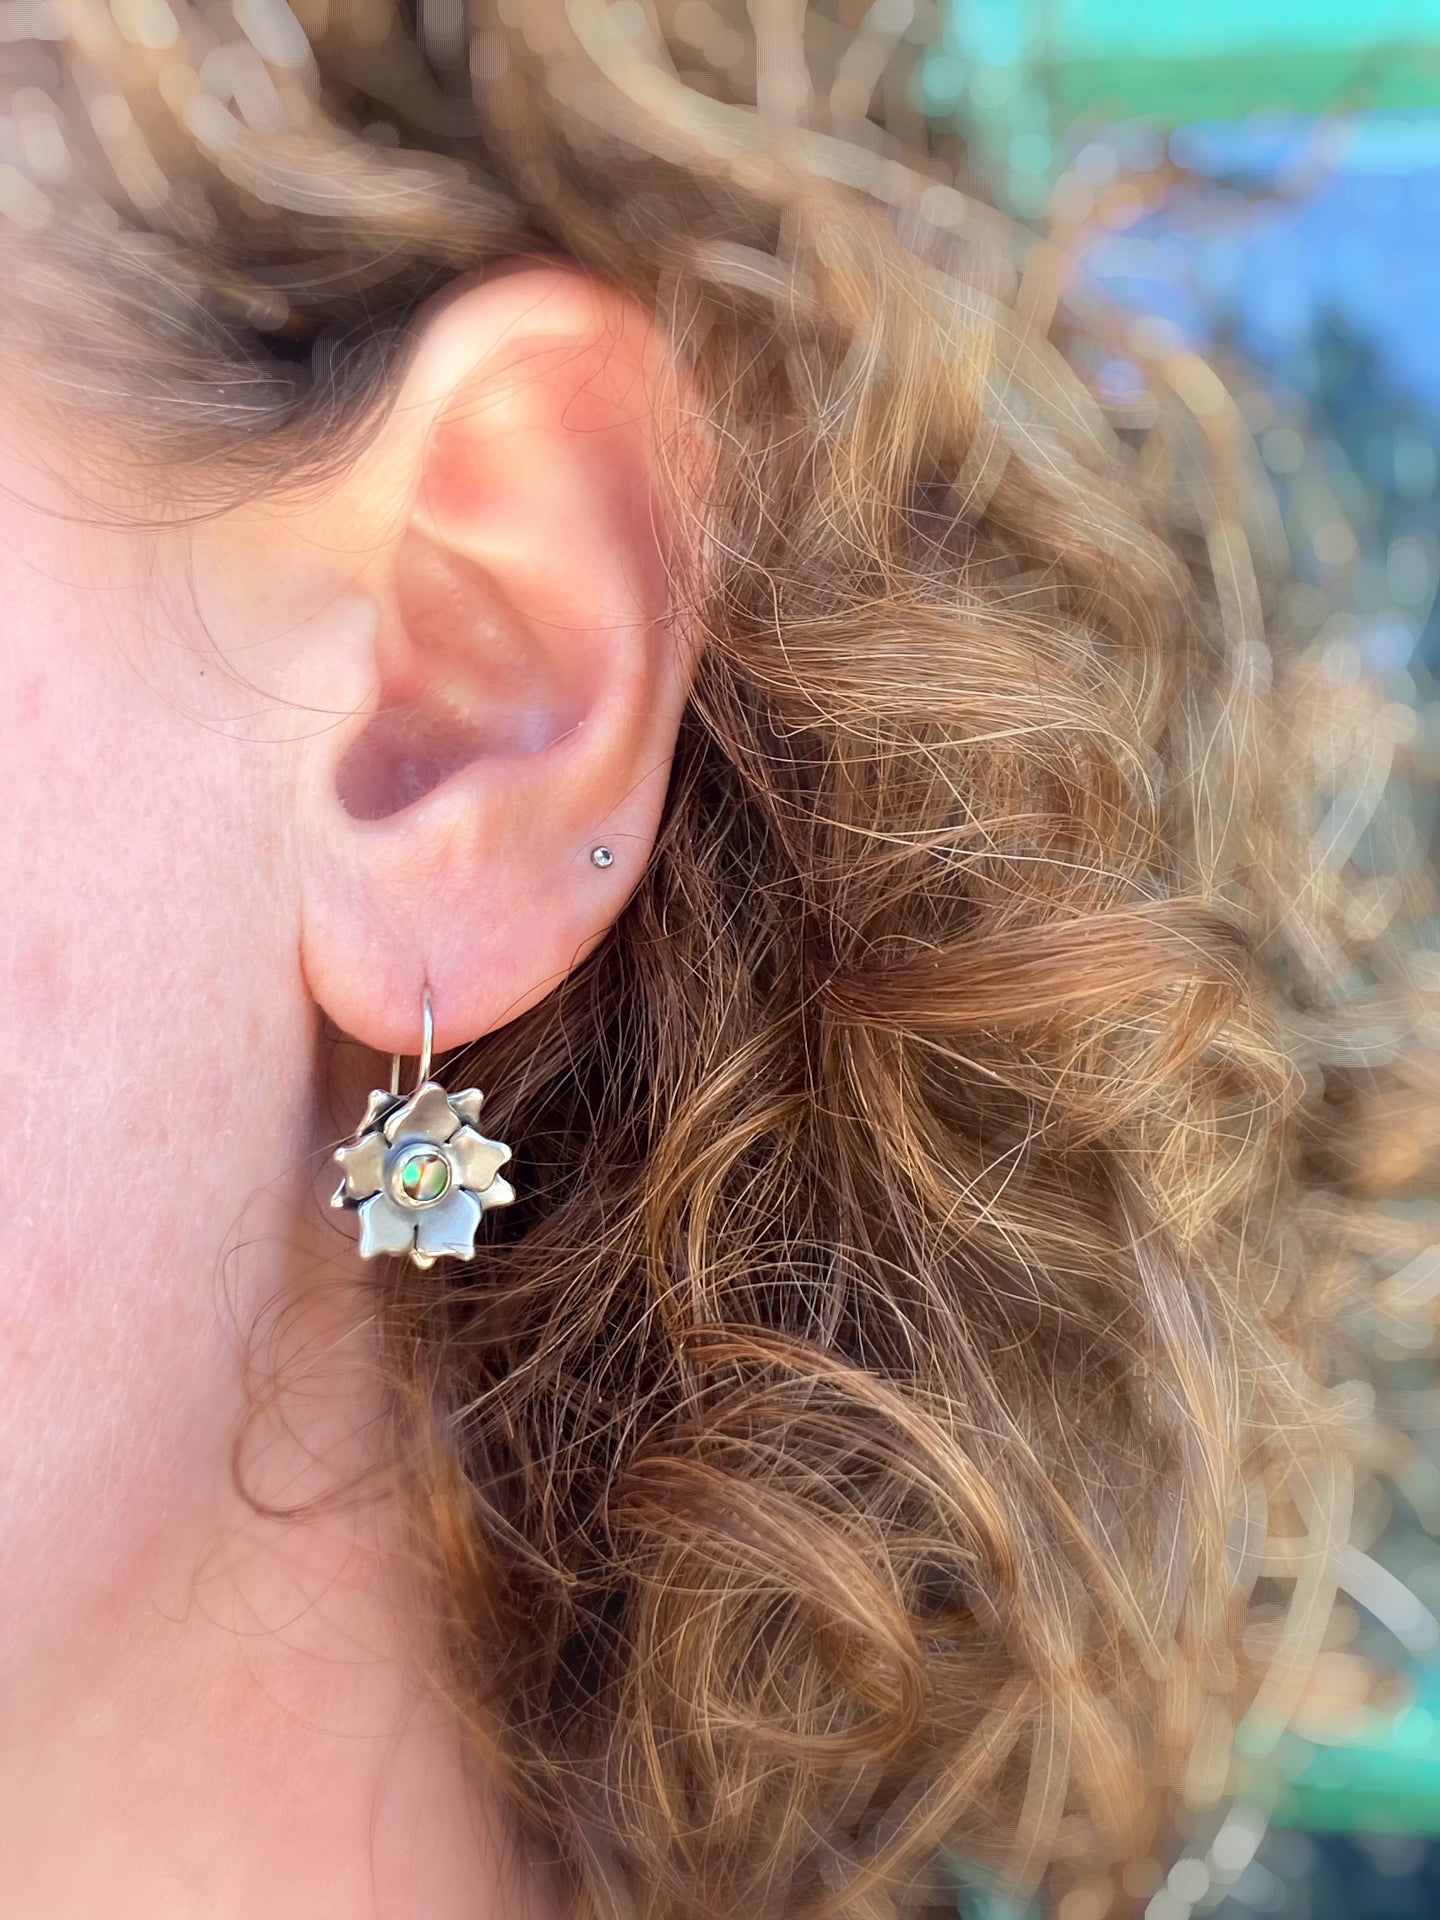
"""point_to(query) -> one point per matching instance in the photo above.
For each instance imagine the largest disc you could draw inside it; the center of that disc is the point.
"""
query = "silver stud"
(601, 857)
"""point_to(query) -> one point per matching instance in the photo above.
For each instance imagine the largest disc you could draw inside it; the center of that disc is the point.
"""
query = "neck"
(230, 1711)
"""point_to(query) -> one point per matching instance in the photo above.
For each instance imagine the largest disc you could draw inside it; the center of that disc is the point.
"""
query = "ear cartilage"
(601, 857)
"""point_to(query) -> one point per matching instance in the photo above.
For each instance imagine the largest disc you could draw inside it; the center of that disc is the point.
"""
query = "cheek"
(103, 818)
(118, 821)
(143, 962)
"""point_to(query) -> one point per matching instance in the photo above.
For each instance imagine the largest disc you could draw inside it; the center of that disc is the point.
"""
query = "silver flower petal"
(384, 1228)
(499, 1193)
(449, 1226)
(376, 1107)
(467, 1104)
(363, 1162)
(426, 1115)
(476, 1159)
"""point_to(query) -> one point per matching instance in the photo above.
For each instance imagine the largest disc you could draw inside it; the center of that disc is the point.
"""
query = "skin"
(292, 763)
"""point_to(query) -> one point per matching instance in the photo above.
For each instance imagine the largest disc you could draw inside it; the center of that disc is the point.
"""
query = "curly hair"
(860, 1443)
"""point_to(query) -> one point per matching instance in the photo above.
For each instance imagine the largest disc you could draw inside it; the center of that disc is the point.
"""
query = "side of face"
(145, 1021)
(310, 757)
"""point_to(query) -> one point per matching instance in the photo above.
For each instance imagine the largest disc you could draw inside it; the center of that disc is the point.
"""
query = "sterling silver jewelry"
(419, 1172)
(601, 857)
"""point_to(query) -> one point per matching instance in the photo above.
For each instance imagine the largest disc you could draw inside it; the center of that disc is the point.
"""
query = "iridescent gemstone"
(424, 1176)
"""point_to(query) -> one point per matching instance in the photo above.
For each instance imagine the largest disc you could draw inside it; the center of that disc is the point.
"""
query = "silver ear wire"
(427, 1047)
(601, 857)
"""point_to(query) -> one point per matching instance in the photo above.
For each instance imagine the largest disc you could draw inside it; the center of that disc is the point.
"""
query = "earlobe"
(529, 687)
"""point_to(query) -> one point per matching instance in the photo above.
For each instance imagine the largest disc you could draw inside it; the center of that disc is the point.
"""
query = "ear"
(503, 535)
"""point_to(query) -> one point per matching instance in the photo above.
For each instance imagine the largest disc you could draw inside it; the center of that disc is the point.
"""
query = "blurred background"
(1260, 179)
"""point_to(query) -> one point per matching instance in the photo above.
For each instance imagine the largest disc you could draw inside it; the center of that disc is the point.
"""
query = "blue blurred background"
(1262, 178)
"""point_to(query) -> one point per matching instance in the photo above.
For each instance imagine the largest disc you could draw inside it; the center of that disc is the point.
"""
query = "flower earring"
(419, 1172)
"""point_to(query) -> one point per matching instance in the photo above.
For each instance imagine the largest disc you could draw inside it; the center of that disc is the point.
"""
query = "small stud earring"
(601, 857)
(419, 1172)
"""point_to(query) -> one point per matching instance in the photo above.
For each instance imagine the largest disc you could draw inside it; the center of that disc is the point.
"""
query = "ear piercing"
(601, 857)
(419, 1172)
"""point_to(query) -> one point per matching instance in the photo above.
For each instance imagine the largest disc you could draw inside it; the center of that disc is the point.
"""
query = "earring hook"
(427, 1044)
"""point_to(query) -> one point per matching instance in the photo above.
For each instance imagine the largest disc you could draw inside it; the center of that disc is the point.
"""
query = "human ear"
(505, 536)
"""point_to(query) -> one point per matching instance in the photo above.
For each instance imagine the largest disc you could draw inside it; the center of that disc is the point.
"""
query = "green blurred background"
(1262, 178)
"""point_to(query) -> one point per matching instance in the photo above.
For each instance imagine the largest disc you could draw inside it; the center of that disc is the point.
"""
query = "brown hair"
(860, 1441)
